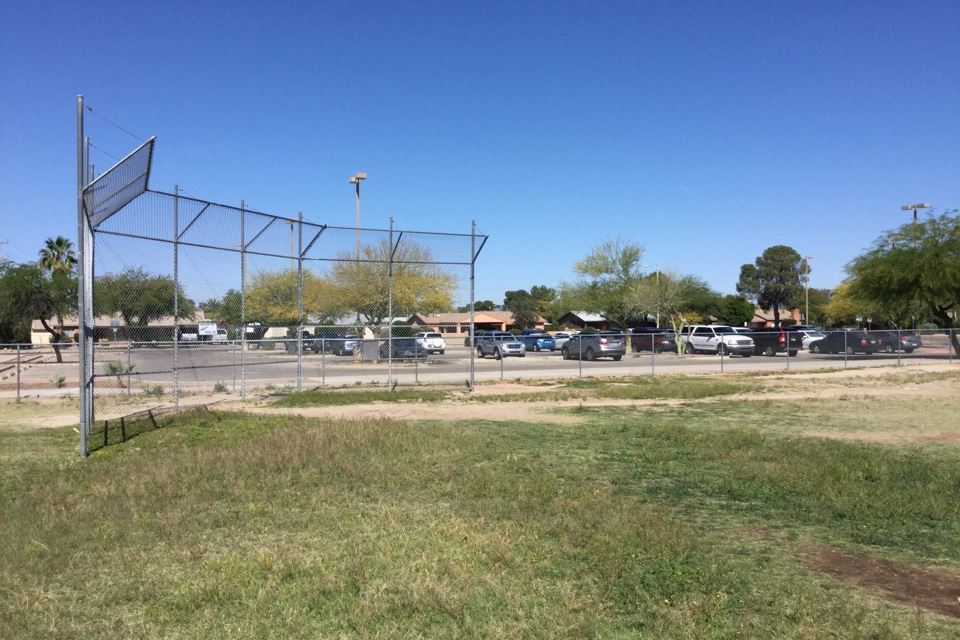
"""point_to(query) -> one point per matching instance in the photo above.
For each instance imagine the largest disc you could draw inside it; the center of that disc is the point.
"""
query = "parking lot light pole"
(356, 180)
(914, 207)
(806, 290)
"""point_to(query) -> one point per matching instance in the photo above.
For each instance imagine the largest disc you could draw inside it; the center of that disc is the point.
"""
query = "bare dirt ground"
(937, 592)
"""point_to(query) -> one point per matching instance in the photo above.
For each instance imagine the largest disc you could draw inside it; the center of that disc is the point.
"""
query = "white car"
(562, 337)
(431, 341)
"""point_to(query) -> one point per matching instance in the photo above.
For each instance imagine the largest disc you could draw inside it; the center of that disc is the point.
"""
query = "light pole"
(914, 207)
(806, 290)
(356, 180)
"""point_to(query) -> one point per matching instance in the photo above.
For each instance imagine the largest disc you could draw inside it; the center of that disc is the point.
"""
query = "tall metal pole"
(389, 308)
(243, 304)
(176, 299)
(86, 408)
(299, 224)
(473, 261)
(806, 291)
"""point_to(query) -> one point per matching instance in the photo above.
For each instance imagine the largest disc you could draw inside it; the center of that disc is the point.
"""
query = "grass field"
(683, 508)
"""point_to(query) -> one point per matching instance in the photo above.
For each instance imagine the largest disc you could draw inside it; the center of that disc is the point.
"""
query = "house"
(577, 320)
(458, 324)
(763, 318)
(112, 328)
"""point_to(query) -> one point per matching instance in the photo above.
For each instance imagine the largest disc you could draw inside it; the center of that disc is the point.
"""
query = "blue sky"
(704, 131)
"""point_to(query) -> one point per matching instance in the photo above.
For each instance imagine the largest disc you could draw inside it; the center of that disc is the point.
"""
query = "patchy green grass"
(337, 397)
(629, 524)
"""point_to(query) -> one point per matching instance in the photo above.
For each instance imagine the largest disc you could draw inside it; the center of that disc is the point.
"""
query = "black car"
(848, 342)
(653, 339)
(309, 342)
(402, 349)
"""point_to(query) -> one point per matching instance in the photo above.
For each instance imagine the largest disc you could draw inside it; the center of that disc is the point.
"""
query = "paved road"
(204, 366)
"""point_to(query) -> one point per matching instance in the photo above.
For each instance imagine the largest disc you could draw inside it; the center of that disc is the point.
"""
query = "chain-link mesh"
(192, 297)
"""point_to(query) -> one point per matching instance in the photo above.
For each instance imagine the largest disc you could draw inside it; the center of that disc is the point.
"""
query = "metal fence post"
(128, 367)
(845, 335)
(18, 373)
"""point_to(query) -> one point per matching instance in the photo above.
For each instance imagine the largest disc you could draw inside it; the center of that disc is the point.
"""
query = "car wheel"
(440, 352)
(497, 355)
(888, 347)
(769, 351)
(617, 358)
(721, 349)
(792, 353)
(536, 347)
(591, 356)
(479, 352)
(689, 350)
(849, 351)
(815, 348)
(565, 353)
(658, 348)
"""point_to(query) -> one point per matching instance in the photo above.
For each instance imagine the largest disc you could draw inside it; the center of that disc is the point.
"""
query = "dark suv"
(770, 341)
(653, 339)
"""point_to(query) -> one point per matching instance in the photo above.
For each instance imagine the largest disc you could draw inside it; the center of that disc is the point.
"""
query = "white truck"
(207, 331)
(715, 338)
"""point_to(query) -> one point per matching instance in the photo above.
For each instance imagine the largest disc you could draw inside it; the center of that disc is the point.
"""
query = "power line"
(111, 122)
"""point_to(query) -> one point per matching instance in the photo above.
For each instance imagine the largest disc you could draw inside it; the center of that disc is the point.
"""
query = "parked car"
(716, 338)
(591, 344)
(770, 341)
(349, 343)
(897, 341)
(432, 341)
(406, 348)
(848, 342)
(538, 342)
(808, 333)
(499, 344)
(471, 341)
(560, 338)
(653, 339)
(310, 342)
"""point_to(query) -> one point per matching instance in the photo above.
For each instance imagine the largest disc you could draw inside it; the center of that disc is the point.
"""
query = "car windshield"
(813, 334)
(724, 330)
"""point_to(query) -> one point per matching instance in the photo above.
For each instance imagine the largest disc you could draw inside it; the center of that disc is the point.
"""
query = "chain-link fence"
(181, 295)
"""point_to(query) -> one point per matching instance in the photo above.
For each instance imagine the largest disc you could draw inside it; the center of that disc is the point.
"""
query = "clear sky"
(704, 131)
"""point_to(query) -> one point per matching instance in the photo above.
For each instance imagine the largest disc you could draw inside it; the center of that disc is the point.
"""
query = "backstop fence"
(180, 295)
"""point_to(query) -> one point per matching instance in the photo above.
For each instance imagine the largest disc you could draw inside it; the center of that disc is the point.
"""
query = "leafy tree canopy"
(916, 265)
(773, 280)
(139, 297)
(607, 280)
(524, 308)
(419, 286)
(272, 299)
(736, 311)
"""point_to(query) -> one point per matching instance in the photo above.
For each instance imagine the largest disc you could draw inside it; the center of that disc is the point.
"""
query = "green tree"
(524, 308)
(57, 256)
(139, 297)
(915, 266)
(478, 305)
(671, 298)
(736, 311)
(544, 297)
(273, 300)
(419, 285)
(773, 280)
(27, 293)
(607, 281)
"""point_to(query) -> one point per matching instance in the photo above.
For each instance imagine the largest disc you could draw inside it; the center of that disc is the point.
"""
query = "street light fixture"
(914, 207)
(356, 180)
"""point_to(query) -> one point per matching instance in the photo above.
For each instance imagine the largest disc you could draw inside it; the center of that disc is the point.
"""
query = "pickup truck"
(715, 338)
(770, 341)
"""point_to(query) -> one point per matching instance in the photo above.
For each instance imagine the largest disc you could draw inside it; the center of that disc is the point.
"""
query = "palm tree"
(57, 256)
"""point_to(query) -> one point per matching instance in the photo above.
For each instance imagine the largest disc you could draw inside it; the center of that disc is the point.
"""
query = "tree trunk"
(56, 339)
(943, 316)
